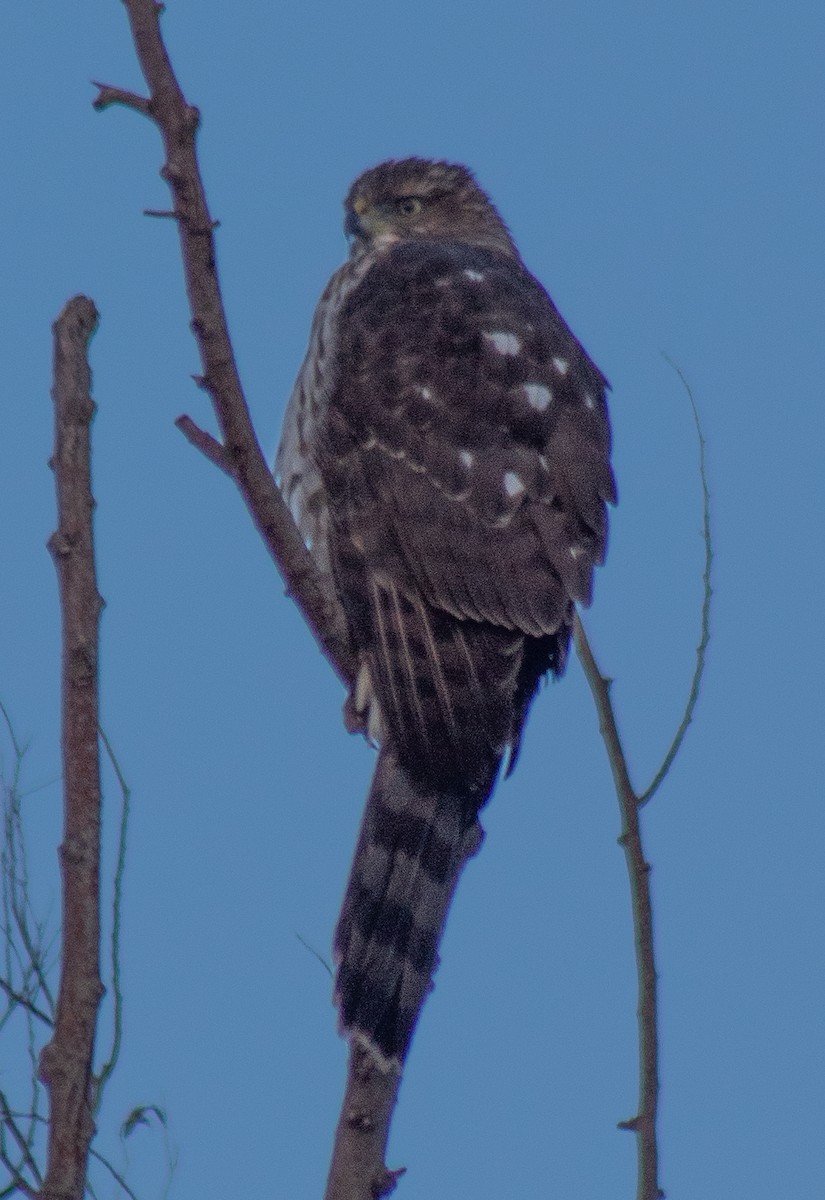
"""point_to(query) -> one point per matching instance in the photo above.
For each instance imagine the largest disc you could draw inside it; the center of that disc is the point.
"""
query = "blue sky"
(661, 168)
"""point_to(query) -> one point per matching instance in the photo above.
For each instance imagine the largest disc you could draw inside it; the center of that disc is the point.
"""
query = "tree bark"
(357, 1170)
(66, 1061)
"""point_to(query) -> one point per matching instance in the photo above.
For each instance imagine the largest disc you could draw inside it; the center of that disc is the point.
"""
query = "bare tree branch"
(66, 1061)
(630, 804)
(357, 1171)
(113, 95)
(241, 455)
(638, 869)
(210, 447)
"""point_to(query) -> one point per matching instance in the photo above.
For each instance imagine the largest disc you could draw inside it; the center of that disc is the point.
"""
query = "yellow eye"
(408, 205)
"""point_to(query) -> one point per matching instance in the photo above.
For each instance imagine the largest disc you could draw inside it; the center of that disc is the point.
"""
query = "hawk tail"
(413, 844)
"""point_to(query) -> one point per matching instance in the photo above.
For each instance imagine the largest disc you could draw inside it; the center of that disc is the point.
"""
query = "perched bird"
(446, 456)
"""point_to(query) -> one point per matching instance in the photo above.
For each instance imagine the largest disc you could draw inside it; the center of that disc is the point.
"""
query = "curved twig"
(117, 904)
(707, 594)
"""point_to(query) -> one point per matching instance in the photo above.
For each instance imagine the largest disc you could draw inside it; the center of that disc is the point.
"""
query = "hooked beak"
(353, 227)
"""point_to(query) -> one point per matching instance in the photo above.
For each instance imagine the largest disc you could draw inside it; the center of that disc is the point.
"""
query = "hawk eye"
(408, 205)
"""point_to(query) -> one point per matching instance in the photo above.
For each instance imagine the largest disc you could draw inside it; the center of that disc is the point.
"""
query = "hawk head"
(418, 198)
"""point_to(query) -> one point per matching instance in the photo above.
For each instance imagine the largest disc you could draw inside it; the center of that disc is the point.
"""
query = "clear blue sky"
(661, 167)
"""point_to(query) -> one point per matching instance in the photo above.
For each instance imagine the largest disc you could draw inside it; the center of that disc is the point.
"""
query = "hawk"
(446, 456)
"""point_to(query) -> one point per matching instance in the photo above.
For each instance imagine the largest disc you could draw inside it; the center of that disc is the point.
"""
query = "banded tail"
(413, 844)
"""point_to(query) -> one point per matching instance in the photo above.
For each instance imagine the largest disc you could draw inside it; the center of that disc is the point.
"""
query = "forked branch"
(370, 1097)
(238, 453)
(638, 869)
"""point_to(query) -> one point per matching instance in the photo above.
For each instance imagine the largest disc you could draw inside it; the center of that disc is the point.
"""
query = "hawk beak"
(354, 228)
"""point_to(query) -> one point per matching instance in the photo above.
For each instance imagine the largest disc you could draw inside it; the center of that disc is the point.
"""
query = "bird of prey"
(446, 457)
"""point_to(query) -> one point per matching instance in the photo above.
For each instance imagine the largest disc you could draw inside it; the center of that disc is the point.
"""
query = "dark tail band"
(413, 844)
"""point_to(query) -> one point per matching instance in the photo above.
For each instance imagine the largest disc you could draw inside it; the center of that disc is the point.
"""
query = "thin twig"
(117, 905)
(25, 957)
(66, 1061)
(707, 595)
(209, 447)
(18, 747)
(108, 95)
(25, 1002)
(16, 903)
(18, 1183)
(644, 1123)
(32, 945)
(9, 1121)
(114, 1173)
(12, 850)
(34, 1117)
(315, 954)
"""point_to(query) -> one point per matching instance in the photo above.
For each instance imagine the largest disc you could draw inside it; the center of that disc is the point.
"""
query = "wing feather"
(466, 456)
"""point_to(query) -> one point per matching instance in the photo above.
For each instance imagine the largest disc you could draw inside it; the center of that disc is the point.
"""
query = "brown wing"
(465, 455)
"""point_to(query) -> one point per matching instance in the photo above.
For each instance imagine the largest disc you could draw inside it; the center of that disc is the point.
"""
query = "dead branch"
(240, 455)
(638, 869)
(357, 1170)
(66, 1061)
(630, 804)
(370, 1097)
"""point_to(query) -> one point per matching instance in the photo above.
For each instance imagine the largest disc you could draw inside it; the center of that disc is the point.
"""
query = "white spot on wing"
(538, 396)
(589, 402)
(561, 365)
(396, 453)
(513, 484)
(576, 552)
(467, 458)
(476, 276)
(505, 343)
(425, 392)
